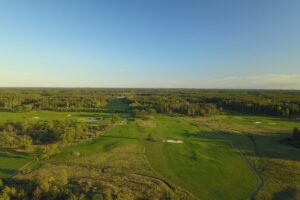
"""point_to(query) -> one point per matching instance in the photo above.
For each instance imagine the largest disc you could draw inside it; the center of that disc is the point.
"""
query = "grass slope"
(11, 161)
(207, 167)
(278, 164)
(205, 164)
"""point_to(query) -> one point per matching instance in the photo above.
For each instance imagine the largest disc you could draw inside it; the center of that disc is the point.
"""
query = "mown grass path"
(11, 161)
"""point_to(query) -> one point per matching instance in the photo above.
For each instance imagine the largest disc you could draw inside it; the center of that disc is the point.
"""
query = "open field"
(277, 164)
(50, 115)
(207, 167)
(204, 165)
(11, 161)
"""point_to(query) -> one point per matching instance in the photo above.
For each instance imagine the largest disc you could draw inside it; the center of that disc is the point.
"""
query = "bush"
(48, 151)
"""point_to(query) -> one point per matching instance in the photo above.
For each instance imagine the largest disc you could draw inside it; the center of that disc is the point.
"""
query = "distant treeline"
(275, 103)
(172, 104)
(22, 100)
(191, 102)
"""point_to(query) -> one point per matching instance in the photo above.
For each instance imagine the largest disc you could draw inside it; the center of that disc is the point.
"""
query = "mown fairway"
(205, 165)
(50, 115)
(11, 161)
(258, 137)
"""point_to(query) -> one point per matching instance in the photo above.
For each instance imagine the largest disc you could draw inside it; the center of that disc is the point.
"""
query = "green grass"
(208, 168)
(11, 161)
(50, 115)
(238, 119)
(278, 164)
(205, 164)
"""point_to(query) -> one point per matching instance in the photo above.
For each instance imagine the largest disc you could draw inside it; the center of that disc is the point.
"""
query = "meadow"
(205, 165)
(217, 154)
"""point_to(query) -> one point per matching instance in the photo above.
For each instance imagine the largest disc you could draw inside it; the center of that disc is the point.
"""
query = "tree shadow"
(286, 194)
(9, 155)
(7, 171)
(92, 115)
(263, 145)
(12, 151)
(201, 135)
(119, 137)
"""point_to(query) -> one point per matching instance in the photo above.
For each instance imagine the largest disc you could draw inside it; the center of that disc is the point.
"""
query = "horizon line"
(163, 88)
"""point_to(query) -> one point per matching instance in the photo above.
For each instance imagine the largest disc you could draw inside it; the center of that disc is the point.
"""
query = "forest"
(188, 102)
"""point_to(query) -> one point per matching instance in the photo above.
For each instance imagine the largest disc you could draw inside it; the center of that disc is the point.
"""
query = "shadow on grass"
(286, 194)
(7, 171)
(119, 137)
(263, 145)
(12, 151)
(9, 155)
(90, 115)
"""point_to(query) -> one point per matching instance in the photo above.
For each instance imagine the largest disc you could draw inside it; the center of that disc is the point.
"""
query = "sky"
(150, 43)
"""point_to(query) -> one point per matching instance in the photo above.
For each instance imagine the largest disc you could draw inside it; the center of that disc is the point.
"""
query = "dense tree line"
(45, 132)
(185, 101)
(24, 100)
(173, 105)
(203, 102)
(58, 186)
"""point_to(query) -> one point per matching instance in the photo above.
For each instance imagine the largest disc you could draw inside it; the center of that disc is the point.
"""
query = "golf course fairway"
(205, 165)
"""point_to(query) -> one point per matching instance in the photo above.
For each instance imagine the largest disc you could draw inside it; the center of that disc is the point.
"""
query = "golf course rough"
(200, 162)
(204, 165)
(208, 168)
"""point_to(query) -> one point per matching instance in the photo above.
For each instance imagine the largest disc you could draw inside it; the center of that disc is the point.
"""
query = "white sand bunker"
(173, 141)
(272, 123)
(257, 122)
(69, 115)
(36, 117)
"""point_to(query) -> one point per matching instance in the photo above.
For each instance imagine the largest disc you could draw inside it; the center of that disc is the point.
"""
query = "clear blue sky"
(150, 43)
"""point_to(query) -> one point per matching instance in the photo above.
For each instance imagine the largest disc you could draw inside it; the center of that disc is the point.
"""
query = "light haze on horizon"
(164, 44)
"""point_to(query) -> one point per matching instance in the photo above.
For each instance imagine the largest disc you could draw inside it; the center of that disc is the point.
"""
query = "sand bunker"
(173, 141)
(69, 115)
(272, 123)
(35, 117)
(257, 122)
